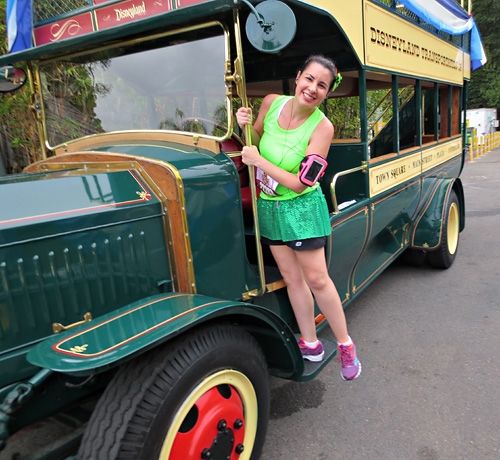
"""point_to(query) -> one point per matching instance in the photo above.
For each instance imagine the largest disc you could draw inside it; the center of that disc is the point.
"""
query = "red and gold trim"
(67, 28)
(83, 350)
(103, 15)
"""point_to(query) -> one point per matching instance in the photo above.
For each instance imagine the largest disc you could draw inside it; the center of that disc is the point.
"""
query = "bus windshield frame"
(141, 85)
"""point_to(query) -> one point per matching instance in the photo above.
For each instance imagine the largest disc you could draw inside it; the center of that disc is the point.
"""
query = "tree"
(18, 136)
(485, 81)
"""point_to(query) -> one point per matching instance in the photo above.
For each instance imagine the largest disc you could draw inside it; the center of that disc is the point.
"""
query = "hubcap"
(217, 421)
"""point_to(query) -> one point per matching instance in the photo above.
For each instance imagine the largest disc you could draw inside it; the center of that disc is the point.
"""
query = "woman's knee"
(318, 281)
(292, 276)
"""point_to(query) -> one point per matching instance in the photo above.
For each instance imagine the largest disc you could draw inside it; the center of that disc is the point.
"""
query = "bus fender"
(428, 229)
(115, 338)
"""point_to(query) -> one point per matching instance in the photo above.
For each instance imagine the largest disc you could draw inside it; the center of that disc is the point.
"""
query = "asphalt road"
(428, 340)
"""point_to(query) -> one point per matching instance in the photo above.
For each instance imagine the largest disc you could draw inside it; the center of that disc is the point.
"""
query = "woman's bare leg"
(315, 271)
(299, 292)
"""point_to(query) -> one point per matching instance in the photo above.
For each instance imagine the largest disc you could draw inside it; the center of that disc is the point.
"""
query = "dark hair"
(327, 63)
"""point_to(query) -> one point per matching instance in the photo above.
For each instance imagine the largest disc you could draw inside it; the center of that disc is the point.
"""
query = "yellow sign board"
(395, 172)
(395, 44)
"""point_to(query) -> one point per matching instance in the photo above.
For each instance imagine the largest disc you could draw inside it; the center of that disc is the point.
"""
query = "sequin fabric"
(305, 216)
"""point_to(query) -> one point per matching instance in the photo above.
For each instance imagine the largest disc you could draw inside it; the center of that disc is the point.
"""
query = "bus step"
(312, 369)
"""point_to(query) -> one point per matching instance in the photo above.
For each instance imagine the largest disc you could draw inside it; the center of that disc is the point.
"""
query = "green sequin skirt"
(305, 216)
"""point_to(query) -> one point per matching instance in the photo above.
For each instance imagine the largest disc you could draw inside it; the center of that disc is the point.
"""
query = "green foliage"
(70, 94)
(16, 126)
(344, 115)
(485, 82)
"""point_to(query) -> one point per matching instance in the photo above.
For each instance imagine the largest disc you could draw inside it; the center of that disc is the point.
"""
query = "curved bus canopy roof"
(365, 34)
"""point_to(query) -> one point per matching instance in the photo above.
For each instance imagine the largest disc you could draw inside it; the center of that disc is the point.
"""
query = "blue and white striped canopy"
(447, 16)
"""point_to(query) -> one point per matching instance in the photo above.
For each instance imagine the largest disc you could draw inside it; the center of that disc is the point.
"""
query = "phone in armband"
(311, 169)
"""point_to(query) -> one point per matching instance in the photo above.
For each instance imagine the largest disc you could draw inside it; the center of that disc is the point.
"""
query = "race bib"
(266, 183)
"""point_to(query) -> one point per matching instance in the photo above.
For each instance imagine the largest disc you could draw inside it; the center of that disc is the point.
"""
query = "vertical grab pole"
(395, 114)
(251, 170)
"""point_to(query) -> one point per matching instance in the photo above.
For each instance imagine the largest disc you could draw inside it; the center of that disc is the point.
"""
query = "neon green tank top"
(286, 148)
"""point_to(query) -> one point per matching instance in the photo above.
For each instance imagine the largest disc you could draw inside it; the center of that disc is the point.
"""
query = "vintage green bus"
(136, 227)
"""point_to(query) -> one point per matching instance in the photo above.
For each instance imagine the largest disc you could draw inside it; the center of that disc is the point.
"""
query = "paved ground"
(428, 340)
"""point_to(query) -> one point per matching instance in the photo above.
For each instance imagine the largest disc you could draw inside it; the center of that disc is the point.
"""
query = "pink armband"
(311, 169)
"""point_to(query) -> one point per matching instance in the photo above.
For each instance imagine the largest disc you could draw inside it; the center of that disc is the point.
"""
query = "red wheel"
(214, 426)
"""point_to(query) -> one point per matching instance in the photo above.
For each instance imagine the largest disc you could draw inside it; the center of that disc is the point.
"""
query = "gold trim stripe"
(393, 173)
(57, 347)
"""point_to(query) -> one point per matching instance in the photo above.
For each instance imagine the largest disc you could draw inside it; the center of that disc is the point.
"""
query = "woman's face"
(313, 84)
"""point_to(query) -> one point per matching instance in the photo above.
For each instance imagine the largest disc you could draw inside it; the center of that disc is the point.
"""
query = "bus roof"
(365, 33)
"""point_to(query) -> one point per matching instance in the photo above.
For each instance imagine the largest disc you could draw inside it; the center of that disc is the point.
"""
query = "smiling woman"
(293, 217)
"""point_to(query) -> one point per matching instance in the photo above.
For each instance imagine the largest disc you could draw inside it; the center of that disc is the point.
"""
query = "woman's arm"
(321, 139)
(319, 143)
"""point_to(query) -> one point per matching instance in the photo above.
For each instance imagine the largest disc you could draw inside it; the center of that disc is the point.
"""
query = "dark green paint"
(41, 208)
(429, 224)
(84, 245)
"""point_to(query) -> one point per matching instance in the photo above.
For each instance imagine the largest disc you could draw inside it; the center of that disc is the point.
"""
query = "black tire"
(182, 398)
(446, 252)
(414, 257)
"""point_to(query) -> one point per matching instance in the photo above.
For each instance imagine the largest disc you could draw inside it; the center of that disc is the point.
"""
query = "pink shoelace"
(346, 355)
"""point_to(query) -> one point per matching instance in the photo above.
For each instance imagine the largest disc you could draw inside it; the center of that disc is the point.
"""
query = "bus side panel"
(348, 237)
(390, 220)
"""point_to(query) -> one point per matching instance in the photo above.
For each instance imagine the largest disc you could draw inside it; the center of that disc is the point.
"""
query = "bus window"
(408, 114)
(400, 96)
(444, 111)
(429, 112)
(343, 112)
(380, 113)
(449, 111)
(379, 107)
(137, 87)
(455, 111)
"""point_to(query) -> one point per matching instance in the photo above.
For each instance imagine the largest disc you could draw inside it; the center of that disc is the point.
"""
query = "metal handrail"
(363, 167)
(370, 126)
(241, 89)
(379, 104)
